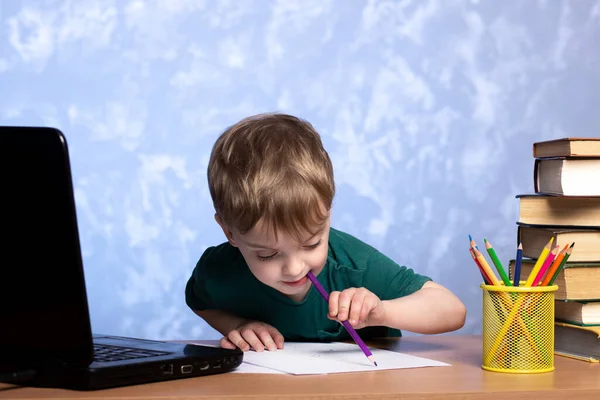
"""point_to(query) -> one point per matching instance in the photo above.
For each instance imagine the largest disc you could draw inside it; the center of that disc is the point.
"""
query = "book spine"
(536, 165)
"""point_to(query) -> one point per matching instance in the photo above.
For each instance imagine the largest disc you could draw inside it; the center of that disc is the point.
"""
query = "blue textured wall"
(428, 108)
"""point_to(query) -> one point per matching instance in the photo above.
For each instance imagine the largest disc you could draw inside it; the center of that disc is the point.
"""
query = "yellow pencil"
(539, 262)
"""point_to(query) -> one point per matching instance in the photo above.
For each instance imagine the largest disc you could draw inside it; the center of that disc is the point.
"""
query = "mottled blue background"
(428, 108)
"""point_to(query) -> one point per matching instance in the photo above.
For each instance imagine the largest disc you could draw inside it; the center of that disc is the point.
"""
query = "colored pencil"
(518, 262)
(562, 264)
(552, 269)
(497, 263)
(472, 243)
(486, 280)
(486, 267)
(346, 324)
(545, 266)
(539, 262)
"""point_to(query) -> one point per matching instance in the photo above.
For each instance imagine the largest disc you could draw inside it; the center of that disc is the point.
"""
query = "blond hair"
(271, 167)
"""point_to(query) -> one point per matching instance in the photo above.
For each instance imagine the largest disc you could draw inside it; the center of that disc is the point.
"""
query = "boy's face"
(283, 264)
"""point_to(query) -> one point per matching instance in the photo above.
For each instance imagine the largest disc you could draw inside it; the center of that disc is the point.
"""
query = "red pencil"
(486, 279)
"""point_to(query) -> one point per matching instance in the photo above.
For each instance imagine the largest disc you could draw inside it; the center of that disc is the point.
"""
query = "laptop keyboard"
(107, 353)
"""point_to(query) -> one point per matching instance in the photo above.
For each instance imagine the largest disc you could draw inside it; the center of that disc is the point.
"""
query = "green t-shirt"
(222, 280)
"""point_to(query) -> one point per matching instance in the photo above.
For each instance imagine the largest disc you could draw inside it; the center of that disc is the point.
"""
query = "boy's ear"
(226, 230)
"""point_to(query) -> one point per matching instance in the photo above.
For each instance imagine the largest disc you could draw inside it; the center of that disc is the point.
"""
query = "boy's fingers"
(253, 340)
(277, 337)
(236, 338)
(344, 303)
(333, 304)
(279, 340)
(356, 307)
(368, 305)
(265, 337)
(226, 343)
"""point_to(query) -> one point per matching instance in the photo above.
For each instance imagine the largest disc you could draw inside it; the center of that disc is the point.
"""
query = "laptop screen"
(43, 306)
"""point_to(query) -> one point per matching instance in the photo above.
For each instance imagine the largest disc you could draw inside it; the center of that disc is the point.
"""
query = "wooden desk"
(463, 380)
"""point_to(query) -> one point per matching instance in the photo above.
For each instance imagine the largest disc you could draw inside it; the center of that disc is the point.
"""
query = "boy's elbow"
(459, 313)
(453, 310)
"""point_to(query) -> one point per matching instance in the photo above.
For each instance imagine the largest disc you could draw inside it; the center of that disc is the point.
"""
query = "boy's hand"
(255, 335)
(358, 305)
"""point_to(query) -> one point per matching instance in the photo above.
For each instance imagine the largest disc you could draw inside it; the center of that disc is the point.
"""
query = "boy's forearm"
(433, 309)
(221, 321)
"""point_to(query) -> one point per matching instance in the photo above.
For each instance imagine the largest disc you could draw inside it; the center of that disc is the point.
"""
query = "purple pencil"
(346, 324)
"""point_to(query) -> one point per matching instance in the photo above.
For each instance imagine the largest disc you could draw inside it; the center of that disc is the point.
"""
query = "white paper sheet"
(327, 358)
(246, 368)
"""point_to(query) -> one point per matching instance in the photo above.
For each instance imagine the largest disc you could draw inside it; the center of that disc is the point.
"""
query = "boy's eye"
(269, 257)
(266, 258)
(313, 246)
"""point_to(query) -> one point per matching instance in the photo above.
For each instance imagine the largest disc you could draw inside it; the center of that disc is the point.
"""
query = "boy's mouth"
(299, 282)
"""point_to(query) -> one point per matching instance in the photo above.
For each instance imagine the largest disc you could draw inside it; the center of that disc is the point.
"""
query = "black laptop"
(45, 329)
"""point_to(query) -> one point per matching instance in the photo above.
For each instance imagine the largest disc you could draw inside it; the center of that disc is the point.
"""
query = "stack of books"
(565, 209)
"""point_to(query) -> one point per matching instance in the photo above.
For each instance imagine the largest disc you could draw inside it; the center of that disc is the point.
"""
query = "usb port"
(217, 364)
(186, 369)
(167, 369)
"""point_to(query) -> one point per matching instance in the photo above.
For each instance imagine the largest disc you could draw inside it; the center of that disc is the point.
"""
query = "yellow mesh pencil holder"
(518, 328)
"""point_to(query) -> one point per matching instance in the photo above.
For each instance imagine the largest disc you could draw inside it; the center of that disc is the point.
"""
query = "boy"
(272, 187)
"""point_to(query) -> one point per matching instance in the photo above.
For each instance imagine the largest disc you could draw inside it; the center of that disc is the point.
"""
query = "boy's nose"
(293, 268)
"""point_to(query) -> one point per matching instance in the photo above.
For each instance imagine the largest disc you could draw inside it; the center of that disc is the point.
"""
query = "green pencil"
(562, 265)
(497, 263)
